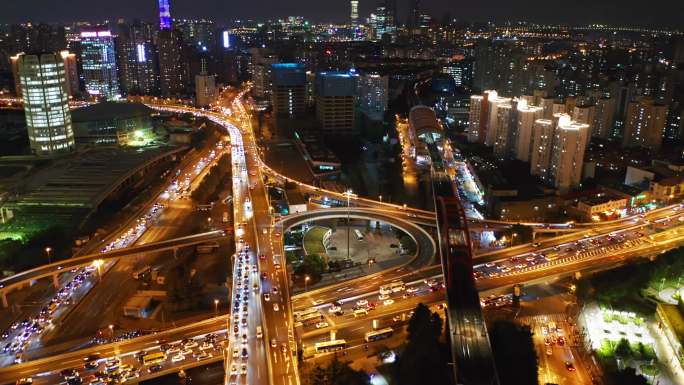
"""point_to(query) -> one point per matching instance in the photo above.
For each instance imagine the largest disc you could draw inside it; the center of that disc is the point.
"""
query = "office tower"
(567, 156)
(493, 119)
(542, 143)
(390, 16)
(205, 89)
(261, 73)
(172, 66)
(373, 95)
(71, 73)
(137, 59)
(199, 35)
(46, 103)
(354, 14)
(165, 15)
(505, 123)
(377, 22)
(604, 118)
(644, 124)
(98, 60)
(36, 38)
(584, 114)
(526, 117)
(413, 21)
(289, 90)
(335, 99)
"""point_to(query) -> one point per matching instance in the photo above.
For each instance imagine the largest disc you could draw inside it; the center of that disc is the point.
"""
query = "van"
(259, 332)
(360, 313)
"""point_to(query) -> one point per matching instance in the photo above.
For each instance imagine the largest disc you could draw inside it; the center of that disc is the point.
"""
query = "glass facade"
(98, 60)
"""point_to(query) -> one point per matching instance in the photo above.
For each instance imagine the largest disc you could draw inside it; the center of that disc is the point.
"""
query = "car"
(244, 338)
(388, 302)
(334, 309)
(234, 370)
(396, 318)
(362, 302)
(264, 275)
(267, 297)
(243, 369)
(173, 350)
(191, 345)
(262, 257)
(283, 347)
(561, 341)
(207, 346)
(177, 358)
(187, 352)
(244, 353)
(154, 368)
(549, 351)
(204, 356)
(25, 381)
(236, 353)
(321, 325)
(383, 297)
(569, 366)
(276, 307)
(275, 290)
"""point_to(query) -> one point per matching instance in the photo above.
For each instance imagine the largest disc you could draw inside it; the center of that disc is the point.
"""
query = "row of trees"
(218, 177)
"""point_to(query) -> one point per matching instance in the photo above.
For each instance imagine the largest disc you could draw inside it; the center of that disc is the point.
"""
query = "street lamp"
(111, 331)
(216, 302)
(48, 250)
(348, 194)
(306, 281)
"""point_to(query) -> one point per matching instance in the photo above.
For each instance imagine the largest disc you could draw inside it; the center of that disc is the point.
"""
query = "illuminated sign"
(88, 34)
(226, 39)
(140, 48)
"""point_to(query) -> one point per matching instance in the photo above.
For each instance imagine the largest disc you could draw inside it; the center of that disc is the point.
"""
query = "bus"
(330, 346)
(298, 315)
(379, 334)
(311, 319)
(359, 236)
(154, 358)
(142, 272)
(392, 287)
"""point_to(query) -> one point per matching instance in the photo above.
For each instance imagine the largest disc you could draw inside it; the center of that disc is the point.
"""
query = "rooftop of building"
(673, 316)
(110, 111)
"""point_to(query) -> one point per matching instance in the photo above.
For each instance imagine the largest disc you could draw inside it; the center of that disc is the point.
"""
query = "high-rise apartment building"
(567, 155)
(526, 117)
(604, 118)
(644, 124)
(71, 71)
(137, 59)
(493, 120)
(505, 122)
(288, 95)
(98, 61)
(335, 100)
(478, 120)
(373, 95)
(354, 13)
(46, 103)
(461, 71)
(262, 73)
(542, 143)
(205, 89)
(585, 114)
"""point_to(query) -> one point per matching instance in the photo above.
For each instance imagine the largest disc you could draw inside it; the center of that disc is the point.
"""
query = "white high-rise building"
(567, 156)
(527, 115)
(477, 118)
(542, 142)
(585, 115)
(505, 129)
(354, 15)
(494, 101)
(46, 103)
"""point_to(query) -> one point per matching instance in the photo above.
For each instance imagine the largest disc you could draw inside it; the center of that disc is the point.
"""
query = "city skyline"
(606, 12)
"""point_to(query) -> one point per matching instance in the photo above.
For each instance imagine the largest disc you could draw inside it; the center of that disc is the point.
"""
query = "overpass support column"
(55, 280)
(3, 295)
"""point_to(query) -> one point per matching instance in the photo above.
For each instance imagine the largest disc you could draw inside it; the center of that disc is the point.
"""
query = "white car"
(267, 297)
(233, 370)
(236, 353)
(191, 345)
(383, 297)
(321, 325)
(206, 346)
(388, 302)
(243, 369)
(276, 307)
(334, 309)
(177, 358)
(362, 302)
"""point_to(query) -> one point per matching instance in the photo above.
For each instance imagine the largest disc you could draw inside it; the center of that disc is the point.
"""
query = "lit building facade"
(567, 155)
(373, 95)
(137, 59)
(46, 103)
(526, 117)
(288, 95)
(604, 118)
(354, 13)
(542, 142)
(165, 15)
(335, 100)
(98, 60)
(173, 72)
(644, 124)
(205, 89)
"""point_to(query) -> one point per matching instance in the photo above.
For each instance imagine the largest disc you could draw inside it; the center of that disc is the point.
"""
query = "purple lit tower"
(164, 14)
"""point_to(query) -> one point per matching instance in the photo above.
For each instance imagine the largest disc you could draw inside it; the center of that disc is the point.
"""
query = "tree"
(623, 349)
(425, 359)
(514, 354)
(336, 373)
(408, 244)
(627, 376)
(312, 265)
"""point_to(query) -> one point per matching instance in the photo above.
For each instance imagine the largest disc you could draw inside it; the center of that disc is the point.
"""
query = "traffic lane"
(72, 359)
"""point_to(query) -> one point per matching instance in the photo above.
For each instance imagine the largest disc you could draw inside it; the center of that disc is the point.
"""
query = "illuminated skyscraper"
(165, 14)
(335, 99)
(173, 72)
(98, 60)
(288, 95)
(644, 124)
(526, 117)
(567, 155)
(46, 103)
(137, 59)
(373, 95)
(354, 17)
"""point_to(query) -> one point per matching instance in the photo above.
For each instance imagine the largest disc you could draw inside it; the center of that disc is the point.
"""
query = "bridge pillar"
(3, 295)
(55, 280)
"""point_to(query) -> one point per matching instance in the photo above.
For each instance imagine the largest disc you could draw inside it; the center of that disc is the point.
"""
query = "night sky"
(669, 13)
